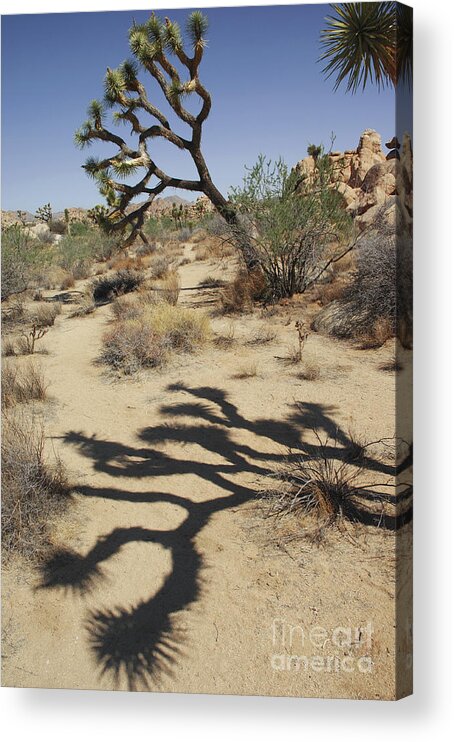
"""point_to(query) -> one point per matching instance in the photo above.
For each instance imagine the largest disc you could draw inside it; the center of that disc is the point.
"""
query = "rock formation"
(369, 181)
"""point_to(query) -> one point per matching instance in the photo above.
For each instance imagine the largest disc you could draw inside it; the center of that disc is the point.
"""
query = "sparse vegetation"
(116, 284)
(34, 489)
(147, 339)
(25, 345)
(44, 315)
(169, 288)
(159, 266)
(248, 371)
(239, 295)
(262, 337)
(318, 487)
(376, 304)
(22, 384)
(310, 371)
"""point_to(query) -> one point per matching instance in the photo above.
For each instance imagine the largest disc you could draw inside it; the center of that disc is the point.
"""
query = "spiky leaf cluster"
(359, 44)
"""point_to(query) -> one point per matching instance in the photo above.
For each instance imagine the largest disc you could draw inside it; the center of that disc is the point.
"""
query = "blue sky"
(269, 95)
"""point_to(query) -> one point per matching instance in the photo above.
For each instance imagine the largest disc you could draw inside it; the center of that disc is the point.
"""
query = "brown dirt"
(168, 577)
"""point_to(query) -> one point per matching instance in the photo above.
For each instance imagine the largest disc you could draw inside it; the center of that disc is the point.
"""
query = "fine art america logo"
(334, 650)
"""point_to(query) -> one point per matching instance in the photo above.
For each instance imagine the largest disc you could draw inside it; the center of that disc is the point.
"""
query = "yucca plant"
(158, 48)
(368, 42)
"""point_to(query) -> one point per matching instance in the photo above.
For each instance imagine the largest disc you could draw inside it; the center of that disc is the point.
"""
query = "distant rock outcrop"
(370, 182)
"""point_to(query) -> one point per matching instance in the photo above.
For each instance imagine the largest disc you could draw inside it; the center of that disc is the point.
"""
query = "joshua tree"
(44, 214)
(369, 41)
(158, 48)
(98, 214)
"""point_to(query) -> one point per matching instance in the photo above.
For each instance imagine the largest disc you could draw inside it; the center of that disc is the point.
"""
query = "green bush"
(22, 259)
(83, 246)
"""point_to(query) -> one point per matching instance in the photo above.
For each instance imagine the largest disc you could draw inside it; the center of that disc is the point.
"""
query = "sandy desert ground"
(168, 576)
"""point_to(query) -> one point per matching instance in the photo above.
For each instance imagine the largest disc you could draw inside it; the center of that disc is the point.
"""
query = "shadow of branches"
(140, 643)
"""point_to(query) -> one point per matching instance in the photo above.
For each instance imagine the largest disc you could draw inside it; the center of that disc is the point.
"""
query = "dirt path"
(164, 578)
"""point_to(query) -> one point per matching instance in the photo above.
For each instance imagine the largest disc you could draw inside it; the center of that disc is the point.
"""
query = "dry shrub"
(126, 307)
(169, 289)
(247, 372)
(239, 295)
(147, 339)
(67, 283)
(51, 278)
(132, 345)
(377, 304)
(198, 235)
(325, 293)
(34, 489)
(81, 270)
(211, 282)
(381, 331)
(109, 287)
(227, 339)
(318, 486)
(262, 337)
(201, 252)
(158, 266)
(146, 249)
(44, 315)
(13, 312)
(211, 247)
(126, 263)
(22, 384)
(8, 347)
(292, 357)
(310, 371)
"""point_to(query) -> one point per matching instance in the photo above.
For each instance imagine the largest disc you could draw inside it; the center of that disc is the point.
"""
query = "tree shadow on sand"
(139, 644)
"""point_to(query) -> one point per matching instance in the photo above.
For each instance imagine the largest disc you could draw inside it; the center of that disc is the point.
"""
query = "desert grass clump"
(248, 371)
(183, 329)
(169, 288)
(317, 487)
(127, 307)
(8, 347)
(227, 339)
(122, 282)
(263, 336)
(44, 315)
(34, 488)
(21, 384)
(239, 295)
(310, 371)
(158, 266)
(147, 339)
(68, 282)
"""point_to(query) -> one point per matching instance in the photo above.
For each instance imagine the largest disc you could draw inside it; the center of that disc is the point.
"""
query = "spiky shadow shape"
(135, 644)
(71, 571)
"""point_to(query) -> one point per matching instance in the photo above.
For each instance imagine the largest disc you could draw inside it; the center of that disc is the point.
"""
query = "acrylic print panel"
(207, 367)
